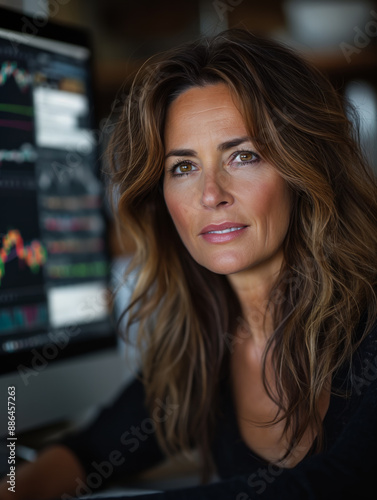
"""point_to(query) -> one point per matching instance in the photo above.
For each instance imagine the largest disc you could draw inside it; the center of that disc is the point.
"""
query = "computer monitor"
(58, 344)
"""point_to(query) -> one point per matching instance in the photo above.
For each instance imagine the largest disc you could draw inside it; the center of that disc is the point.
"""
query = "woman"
(237, 173)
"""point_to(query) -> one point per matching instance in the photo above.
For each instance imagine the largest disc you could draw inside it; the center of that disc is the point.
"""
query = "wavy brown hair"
(184, 312)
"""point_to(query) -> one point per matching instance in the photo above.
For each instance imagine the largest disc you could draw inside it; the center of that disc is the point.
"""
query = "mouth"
(224, 231)
(224, 228)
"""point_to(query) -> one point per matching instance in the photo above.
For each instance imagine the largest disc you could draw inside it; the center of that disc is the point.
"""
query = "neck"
(253, 291)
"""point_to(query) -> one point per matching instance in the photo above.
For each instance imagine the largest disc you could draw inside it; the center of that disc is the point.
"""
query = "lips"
(224, 228)
(223, 233)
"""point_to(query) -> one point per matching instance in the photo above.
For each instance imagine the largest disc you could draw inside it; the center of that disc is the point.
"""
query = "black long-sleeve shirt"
(121, 442)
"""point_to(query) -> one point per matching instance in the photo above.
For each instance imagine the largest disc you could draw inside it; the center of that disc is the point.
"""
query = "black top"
(121, 442)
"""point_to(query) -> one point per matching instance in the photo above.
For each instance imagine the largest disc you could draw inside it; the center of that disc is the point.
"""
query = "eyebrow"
(224, 146)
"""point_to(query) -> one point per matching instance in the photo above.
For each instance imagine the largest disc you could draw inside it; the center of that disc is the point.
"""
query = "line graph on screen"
(12, 246)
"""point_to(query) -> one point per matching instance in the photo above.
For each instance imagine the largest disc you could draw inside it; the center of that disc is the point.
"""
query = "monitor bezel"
(46, 28)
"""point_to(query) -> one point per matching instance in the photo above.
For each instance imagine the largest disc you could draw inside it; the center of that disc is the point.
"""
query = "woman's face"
(230, 207)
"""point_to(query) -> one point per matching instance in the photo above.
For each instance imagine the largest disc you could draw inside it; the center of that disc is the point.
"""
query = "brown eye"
(182, 168)
(185, 167)
(242, 158)
(246, 156)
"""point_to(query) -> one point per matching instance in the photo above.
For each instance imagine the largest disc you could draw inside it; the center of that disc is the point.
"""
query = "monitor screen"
(54, 259)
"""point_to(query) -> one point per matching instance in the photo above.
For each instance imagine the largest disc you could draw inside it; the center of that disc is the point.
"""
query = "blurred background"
(339, 37)
(333, 34)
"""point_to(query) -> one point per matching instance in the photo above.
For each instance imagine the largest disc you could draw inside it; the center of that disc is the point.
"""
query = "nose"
(216, 190)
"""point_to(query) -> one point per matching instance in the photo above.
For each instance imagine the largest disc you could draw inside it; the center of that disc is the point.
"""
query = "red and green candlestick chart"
(21, 76)
(34, 254)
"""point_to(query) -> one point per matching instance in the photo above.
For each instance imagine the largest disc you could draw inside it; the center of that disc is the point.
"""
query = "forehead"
(202, 111)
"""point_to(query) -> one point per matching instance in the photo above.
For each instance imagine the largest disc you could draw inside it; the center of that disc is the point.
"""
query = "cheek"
(178, 211)
(260, 198)
(280, 210)
(263, 197)
(271, 201)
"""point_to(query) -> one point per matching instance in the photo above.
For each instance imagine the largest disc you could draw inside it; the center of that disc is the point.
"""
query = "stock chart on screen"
(53, 259)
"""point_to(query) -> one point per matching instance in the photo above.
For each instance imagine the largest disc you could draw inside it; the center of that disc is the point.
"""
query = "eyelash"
(256, 159)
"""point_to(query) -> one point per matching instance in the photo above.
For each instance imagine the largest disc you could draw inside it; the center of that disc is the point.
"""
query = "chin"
(223, 266)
